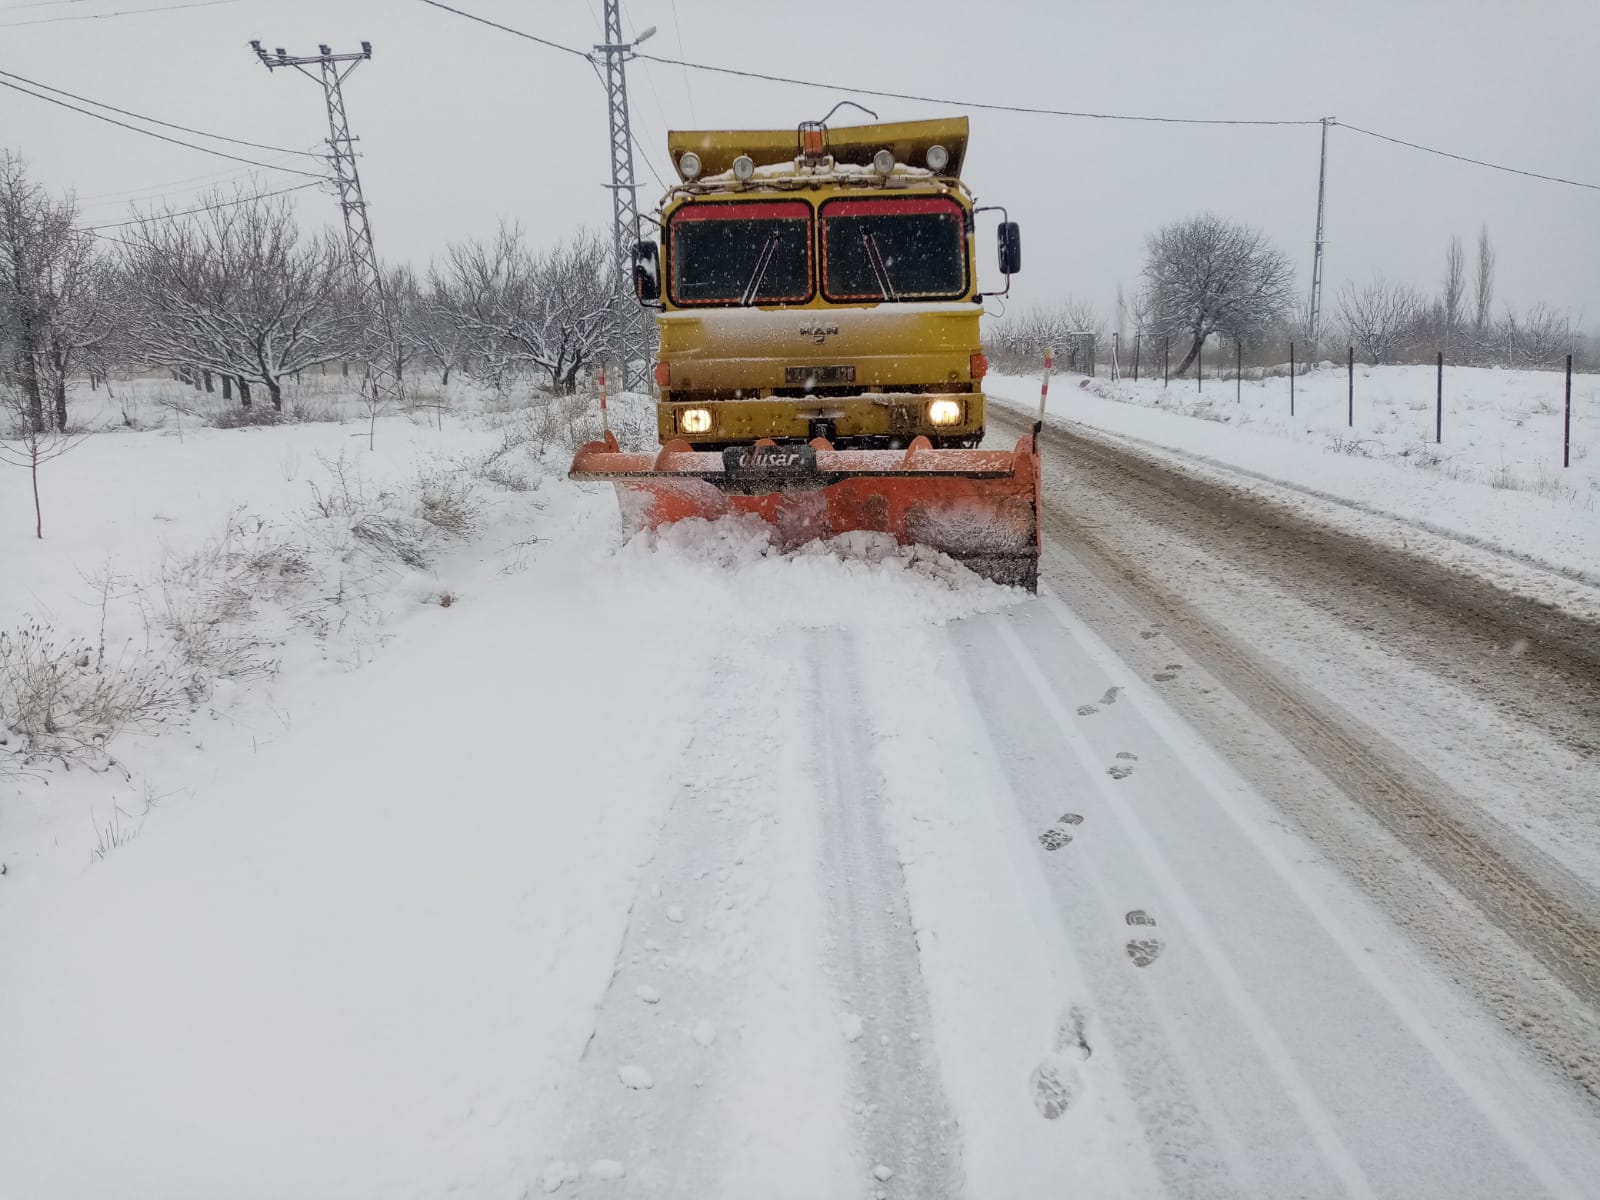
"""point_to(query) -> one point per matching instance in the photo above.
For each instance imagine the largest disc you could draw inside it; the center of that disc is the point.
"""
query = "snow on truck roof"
(847, 144)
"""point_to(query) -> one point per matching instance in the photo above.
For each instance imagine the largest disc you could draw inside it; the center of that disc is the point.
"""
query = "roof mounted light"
(744, 168)
(938, 157)
(883, 162)
(689, 164)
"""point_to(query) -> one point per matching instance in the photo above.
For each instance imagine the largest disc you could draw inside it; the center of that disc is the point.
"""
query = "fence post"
(1238, 369)
(1438, 405)
(1291, 379)
(1092, 340)
(1116, 354)
(1136, 336)
(1166, 359)
(1352, 367)
(1566, 431)
(1199, 364)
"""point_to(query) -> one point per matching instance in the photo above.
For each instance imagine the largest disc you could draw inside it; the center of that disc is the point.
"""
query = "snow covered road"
(1224, 868)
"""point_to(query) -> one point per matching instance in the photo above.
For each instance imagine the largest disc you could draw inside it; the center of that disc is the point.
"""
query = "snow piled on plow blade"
(856, 578)
(978, 507)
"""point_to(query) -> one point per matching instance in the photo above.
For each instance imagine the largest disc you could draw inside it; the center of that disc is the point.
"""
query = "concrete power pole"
(632, 342)
(1315, 331)
(332, 70)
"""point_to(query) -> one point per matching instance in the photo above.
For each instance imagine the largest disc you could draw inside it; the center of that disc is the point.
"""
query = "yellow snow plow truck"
(820, 362)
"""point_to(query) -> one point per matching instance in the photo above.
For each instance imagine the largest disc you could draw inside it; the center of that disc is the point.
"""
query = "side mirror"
(647, 271)
(1010, 248)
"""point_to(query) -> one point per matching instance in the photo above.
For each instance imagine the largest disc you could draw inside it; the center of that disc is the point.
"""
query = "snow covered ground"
(486, 854)
(1495, 484)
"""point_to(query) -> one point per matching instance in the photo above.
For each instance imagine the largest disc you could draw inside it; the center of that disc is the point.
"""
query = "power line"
(204, 208)
(506, 28)
(127, 12)
(1018, 108)
(156, 191)
(158, 136)
(687, 90)
(221, 137)
(1477, 162)
(1014, 108)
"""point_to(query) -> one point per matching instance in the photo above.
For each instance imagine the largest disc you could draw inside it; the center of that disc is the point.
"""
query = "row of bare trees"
(1390, 322)
(237, 291)
(1209, 277)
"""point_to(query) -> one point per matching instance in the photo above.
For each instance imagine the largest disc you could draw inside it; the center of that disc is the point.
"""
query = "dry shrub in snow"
(63, 698)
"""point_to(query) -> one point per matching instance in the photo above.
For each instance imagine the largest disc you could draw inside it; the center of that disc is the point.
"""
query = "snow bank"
(1494, 490)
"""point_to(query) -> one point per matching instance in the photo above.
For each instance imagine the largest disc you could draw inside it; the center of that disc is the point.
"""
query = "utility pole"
(632, 343)
(1316, 258)
(332, 70)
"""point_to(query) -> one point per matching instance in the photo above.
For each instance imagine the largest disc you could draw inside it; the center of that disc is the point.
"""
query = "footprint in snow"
(1111, 695)
(1057, 1081)
(1127, 756)
(1165, 676)
(1144, 951)
(636, 1078)
(1139, 917)
(1119, 772)
(1147, 634)
(1087, 710)
(1054, 838)
(1174, 666)
(1058, 834)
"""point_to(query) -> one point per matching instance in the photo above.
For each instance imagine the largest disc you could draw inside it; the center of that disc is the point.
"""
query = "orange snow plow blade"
(981, 507)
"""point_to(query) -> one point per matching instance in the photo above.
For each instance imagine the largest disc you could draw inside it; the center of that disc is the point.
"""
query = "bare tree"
(1380, 318)
(1452, 295)
(236, 290)
(1483, 284)
(34, 444)
(517, 311)
(44, 269)
(1541, 337)
(1207, 275)
(1070, 330)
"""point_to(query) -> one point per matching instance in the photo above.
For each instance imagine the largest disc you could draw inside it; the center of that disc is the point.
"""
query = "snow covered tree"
(1541, 337)
(1206, 276)
(1380, 318)
(513, 310)
(50, 303)
(237, 290)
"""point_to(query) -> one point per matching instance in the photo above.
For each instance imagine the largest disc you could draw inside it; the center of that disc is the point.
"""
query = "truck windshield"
(742, 253)
(913, 248)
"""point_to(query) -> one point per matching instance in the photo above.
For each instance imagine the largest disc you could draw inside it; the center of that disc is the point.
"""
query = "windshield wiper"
(880, 269)
(768, 253)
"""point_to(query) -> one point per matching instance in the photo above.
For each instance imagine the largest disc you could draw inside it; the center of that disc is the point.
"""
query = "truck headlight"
(694, 420)
(944, 412)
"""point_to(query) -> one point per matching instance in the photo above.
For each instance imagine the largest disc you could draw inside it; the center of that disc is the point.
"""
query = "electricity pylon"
(333, 70)
(632, 341)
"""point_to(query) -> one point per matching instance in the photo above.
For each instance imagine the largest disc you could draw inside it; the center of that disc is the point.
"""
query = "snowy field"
(1495, 482)
(413, 835)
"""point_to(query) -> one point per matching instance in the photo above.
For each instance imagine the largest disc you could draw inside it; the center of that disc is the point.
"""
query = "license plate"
(767, 461)
(818, 376)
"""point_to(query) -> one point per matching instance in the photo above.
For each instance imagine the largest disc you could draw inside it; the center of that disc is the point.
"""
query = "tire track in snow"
(906, 1125)
(1217, 781)
(1007, 992)
(741, 1068)
(1195, 1143)
(1313, 1115)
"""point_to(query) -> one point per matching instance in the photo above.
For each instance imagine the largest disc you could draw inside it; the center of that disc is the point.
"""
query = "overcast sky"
(461, 125)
